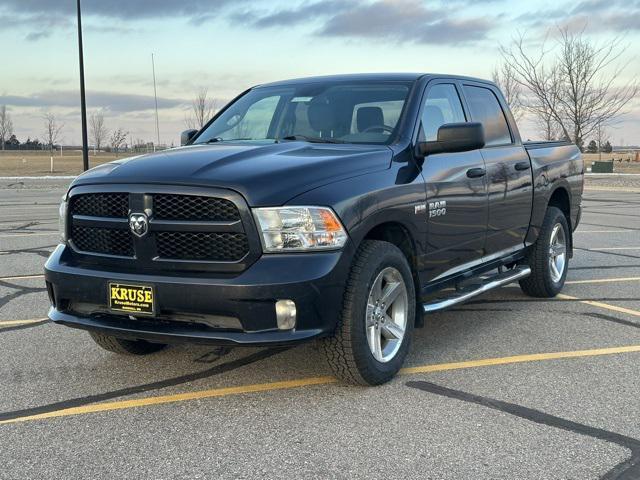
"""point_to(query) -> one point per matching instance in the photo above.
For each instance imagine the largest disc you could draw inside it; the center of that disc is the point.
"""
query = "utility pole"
(83, 102)
(155, 94)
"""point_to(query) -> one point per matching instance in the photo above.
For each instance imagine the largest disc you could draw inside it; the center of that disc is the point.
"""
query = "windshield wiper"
(309, 139)
(220, 139)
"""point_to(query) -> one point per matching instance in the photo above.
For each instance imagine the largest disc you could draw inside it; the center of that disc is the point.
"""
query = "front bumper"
(236, 310)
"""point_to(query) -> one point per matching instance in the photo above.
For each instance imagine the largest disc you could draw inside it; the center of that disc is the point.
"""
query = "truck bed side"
(558, 173)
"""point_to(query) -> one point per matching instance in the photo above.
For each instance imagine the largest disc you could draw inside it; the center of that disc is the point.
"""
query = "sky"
(227, 46)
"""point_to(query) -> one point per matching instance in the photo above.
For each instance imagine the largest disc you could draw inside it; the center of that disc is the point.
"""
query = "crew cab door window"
(485, 108)
(441, 106)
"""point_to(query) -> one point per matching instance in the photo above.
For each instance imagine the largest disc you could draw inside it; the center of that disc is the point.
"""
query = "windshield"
(332, 112)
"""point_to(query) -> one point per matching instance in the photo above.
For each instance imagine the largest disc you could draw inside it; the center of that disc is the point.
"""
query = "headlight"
(62, 219)
(299, 229)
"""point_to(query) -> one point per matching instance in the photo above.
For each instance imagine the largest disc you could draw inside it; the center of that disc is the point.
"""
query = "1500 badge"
(437, 209)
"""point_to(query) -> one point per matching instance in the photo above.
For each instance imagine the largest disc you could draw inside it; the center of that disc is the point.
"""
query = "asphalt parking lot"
(504, 387)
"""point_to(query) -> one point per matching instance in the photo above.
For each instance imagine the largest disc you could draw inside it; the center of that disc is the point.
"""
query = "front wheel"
(374, 331)
(548, 258)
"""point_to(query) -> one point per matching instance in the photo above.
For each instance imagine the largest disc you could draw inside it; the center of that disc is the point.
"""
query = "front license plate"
(133, 299)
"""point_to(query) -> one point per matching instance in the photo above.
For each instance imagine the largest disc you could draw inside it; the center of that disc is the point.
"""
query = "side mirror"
(186, 136)
(454, 137)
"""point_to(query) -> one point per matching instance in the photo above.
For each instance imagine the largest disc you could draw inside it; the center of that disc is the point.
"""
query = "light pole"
(83, 103)
(155, 95)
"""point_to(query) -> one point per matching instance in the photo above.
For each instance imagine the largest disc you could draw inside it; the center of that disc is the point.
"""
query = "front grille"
(195, 208)
(103, 240)
(194, 231)
(115, 205)
(220, 247)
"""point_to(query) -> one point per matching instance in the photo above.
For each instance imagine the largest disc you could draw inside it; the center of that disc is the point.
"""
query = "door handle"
(523, 166)
(476, 172)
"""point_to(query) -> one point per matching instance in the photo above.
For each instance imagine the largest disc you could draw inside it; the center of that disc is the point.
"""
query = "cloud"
(35, 36)
(40, 16)
(617, 16)
(405, 21)
(304, 13)
(409, 21)
(109, 101)
(123, 9)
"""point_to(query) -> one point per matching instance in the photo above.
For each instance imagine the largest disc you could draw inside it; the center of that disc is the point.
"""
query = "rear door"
(455, 188)
(508, 167)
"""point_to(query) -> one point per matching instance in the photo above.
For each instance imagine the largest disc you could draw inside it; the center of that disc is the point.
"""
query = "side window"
(255, 121)
(441, 106)
(486, 109)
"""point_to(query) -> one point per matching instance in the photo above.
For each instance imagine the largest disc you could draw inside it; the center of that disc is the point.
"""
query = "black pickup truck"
(343, 208)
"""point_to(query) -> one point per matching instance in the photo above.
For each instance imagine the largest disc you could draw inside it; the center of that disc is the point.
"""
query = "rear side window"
(486, 109)
(441, 106)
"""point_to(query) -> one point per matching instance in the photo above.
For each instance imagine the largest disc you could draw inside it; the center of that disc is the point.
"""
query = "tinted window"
(360, 112)
(486, 109)
(441, 106)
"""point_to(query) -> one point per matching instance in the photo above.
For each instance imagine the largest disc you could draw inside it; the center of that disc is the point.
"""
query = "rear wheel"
(125, 347)
(374, 331)
(548, 258)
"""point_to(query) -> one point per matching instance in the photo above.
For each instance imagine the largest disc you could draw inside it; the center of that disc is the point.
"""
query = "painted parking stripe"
(604, 231)
(612, 248)
(324, 380)
(606, 306)
(612, 189)
(11, 323)
(21, 277)
(30, 235)
(603, 280)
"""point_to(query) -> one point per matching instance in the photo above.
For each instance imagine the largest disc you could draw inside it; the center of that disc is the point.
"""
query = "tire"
(546, 281)
(366, 348)
(125, 347)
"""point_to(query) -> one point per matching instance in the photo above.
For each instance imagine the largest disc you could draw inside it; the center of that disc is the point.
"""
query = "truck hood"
(265, 175)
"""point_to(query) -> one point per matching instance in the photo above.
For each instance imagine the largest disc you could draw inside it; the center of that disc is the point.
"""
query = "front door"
(456, 190)
(509, 177)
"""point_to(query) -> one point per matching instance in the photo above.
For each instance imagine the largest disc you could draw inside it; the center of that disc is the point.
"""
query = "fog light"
(286, 314)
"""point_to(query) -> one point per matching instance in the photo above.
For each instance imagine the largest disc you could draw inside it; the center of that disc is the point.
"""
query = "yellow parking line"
(29, 235)
(304, 382)
(535, 357)
(614, 189)
(603, 280)
(606, 306)
(604, 231)
(614, 248)
(11, 323)
(21, 277)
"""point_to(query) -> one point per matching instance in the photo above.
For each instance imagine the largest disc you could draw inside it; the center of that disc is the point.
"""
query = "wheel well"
(560, 199)
(398, 235)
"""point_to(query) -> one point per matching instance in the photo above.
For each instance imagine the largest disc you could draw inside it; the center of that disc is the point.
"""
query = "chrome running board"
(487, 284)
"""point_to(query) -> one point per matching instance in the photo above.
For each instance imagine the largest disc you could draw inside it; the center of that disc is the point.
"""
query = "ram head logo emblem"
(139, 224)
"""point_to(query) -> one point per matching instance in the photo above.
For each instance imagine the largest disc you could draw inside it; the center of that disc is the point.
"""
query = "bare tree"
(6, 126)
(52, 130)
(202, 109)
(505, 76)
(118, 139)
(573, 83)
(99, 131)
